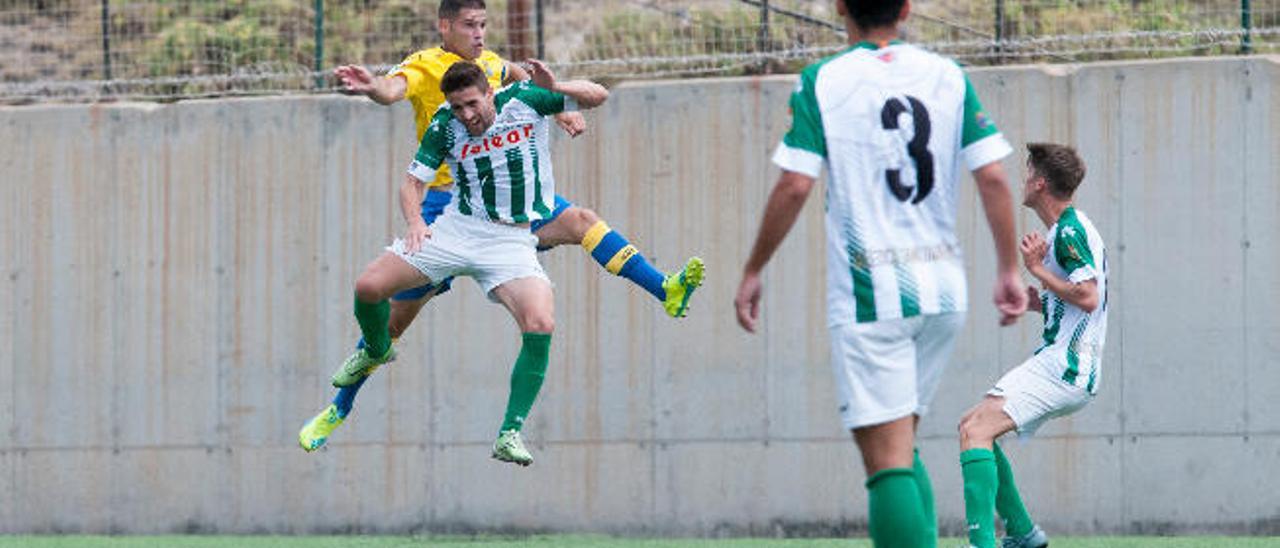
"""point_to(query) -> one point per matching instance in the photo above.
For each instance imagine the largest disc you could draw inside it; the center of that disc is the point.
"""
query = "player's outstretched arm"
(573, 123)
(357, 79)
(997, 203)
(586, 93)
(515, 73)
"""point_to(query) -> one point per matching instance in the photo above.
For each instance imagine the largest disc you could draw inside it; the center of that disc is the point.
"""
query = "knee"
(369, 290)
(583, 219)
(972, 430)
(538, 323)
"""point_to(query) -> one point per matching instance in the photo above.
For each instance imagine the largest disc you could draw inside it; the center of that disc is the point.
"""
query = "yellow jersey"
(422, 71)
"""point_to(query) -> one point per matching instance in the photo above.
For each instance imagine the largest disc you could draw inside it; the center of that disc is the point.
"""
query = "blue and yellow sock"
(619, 257)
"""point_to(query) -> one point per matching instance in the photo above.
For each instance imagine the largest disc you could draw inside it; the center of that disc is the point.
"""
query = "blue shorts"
(433, 206)
(561, 205)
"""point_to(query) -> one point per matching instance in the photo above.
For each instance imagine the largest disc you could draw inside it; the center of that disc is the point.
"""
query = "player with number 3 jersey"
(894, 126)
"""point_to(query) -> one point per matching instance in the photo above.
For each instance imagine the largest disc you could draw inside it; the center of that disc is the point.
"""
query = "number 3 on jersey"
(917, 149)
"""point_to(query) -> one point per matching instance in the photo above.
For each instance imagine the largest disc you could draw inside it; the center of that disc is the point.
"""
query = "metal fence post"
(106, 40)
(999, 33)
(1246, 23)
(518, 30)
(764, 36)
(538, 21)
(319, 65)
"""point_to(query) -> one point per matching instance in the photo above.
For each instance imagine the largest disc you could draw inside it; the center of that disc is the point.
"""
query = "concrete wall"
(177, 281)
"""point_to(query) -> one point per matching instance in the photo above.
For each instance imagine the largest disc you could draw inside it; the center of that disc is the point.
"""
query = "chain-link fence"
(162, 49)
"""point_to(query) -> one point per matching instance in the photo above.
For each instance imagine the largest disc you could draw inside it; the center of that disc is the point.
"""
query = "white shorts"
(890, 369)
(1032, 397)
(461, 245)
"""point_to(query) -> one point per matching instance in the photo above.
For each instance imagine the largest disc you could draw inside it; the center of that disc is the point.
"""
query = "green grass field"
(574, 542)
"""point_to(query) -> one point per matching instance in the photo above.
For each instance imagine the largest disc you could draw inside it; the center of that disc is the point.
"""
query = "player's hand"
(418, 232)
(541, 75)
(1010, 297)
(355, 79)
(573, 123)
(1033, 299)
(747, 303)
(1033, 248)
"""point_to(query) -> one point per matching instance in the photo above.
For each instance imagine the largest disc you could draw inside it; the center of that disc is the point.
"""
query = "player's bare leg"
(532, 304)
(896, 515)
(315, 433)
(384, 277)
(988, 479)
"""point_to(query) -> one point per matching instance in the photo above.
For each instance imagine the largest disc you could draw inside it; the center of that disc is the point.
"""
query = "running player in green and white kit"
(1062, 375)
(896, 127)
(497, 147)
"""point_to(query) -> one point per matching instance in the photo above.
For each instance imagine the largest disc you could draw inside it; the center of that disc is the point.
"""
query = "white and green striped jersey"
(504, 175)
(894, 126)
(1071, 348)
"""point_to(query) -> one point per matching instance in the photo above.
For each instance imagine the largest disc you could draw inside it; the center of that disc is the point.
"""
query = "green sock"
(978, 468)
(373, 319)
(526, 378)
(895, 518)
(926, 500)
(1017, 522)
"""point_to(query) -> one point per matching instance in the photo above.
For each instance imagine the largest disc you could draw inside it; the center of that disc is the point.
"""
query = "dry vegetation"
(62, 40)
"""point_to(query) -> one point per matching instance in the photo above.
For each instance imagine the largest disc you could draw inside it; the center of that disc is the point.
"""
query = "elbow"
(1088, 303)
(596, 98)
(794, 187)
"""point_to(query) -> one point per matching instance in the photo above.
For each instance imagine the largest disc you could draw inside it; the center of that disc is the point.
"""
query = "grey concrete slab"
(473, 373)
(701, 200)
(1186, 489)
(714, 487)
(1261, 261)
(1179, 120)
(605, 487)
(345, 488)
(63, 491)
(9, 493)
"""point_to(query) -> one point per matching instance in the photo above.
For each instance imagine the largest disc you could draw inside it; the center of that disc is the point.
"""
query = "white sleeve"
(985, 151)
(798, 160)
(421, 172)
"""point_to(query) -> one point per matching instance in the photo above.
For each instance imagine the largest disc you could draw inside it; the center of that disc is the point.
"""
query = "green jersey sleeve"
(806, 118)
(435, 146)
(544, 101)
(804, 147)
(1072, 253)
(977, 125)
(980, 139)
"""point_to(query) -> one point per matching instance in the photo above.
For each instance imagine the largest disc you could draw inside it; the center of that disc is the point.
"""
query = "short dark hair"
(450, 8)
(1060, 166)
(874, 14)
(463, 75)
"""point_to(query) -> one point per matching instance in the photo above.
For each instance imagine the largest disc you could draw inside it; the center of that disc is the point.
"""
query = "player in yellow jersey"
(462, 26)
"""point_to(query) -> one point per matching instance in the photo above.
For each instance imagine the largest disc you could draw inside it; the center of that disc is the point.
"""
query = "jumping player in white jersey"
(1062, 374)
(895, 126)
(496, 145)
